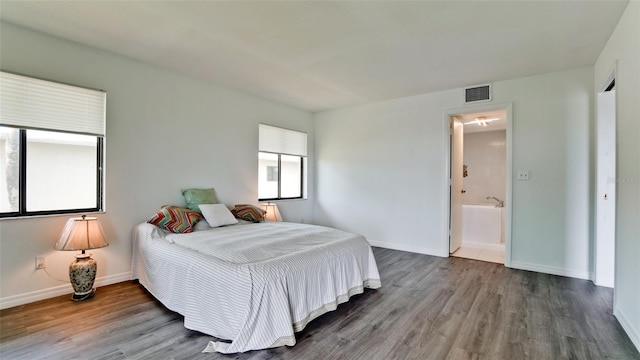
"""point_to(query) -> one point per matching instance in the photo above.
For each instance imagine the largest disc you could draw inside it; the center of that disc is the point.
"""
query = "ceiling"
(498, 121)
(326, 55)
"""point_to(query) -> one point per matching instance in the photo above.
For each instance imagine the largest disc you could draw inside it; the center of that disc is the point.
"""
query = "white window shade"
(39, 104)
(282, 141)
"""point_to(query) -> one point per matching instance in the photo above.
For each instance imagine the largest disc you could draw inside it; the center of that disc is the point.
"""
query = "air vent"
(477, 93)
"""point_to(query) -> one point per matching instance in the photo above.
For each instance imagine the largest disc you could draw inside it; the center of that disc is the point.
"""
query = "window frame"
(303, 160)
(22, 179)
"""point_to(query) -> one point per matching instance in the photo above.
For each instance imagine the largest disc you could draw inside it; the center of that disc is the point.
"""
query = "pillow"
(217, 215)
(249, 213)
(175, 219)
(195, 197)
(201, 225)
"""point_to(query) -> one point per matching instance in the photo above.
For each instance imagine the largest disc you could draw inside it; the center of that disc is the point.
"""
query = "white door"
(606, 189)
(457, 163)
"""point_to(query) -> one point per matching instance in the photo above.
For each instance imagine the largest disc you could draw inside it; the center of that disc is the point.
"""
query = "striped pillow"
(248, 212)
(175, 219)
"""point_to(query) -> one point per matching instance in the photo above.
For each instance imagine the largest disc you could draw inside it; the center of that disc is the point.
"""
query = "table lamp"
(273, 214)
(82, 234)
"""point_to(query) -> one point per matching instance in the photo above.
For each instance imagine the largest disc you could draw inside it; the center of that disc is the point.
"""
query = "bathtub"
(483, 226)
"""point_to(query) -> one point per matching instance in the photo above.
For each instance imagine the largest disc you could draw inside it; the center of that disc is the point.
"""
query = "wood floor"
(428, 308)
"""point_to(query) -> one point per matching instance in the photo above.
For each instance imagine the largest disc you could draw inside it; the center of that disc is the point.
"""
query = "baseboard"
(409, 248)
(632, 332)
(545, 269)
(29, 297)
(609, 283)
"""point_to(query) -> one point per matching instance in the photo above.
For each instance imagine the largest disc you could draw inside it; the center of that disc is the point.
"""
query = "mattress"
(253, 285)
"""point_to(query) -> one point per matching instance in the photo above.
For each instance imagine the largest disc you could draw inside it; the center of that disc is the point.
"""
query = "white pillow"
(201, 225)
(217, 215)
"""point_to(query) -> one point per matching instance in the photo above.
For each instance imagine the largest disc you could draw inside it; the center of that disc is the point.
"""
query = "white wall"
(381, 170)
(485, 154)
(164, 132)
(624, 48)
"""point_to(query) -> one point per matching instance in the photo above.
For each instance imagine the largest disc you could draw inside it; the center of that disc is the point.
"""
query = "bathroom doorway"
(480, 184)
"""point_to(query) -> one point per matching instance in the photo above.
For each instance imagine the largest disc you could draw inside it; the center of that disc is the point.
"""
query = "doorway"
(604, 254)
(479, 183)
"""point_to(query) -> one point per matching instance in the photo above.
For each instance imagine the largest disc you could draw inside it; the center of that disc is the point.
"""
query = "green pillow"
(195, 197)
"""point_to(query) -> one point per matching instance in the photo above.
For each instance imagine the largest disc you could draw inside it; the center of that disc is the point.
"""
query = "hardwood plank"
(428, 308)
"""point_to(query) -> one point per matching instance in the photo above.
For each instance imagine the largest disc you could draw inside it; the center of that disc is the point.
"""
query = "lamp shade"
(81, 234)
(273, 214)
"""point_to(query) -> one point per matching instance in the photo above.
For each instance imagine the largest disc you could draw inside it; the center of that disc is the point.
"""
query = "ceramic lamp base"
(82, 273)
(79, 297)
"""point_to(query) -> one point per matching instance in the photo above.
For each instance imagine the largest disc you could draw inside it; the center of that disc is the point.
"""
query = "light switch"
(523, 175)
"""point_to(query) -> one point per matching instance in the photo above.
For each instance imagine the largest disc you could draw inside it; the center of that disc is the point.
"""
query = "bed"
(255, 284)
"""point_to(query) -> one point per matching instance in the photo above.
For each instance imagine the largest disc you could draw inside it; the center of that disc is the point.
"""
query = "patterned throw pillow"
(195, 197)
(175, 219)
(248, 212)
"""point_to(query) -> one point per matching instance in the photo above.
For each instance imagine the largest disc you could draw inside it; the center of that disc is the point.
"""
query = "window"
(51, 147)
(282, 163)
(272, 173)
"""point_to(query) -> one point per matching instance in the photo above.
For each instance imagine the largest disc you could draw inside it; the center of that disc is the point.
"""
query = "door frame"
(446, 116)
(456, 189)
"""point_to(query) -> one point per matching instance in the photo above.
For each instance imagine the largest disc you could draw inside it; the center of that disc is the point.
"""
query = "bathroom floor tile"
(491, 256)
(480, 254)
(467, 252)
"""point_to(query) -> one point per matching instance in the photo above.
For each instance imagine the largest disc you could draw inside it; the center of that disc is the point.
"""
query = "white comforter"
(253, 284)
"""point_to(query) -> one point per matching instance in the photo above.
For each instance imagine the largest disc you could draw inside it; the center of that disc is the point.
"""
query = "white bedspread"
(253, 284)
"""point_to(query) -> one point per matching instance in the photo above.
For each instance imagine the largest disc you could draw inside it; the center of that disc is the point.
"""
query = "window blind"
(282, 141)
(31, 103)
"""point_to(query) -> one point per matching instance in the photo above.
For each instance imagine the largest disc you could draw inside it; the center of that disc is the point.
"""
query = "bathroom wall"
(485, 154)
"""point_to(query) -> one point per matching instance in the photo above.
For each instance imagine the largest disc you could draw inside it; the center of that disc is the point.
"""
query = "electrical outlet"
(523, 175)
(40, 263)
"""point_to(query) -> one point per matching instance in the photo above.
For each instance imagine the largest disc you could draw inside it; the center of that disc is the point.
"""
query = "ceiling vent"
(477, 93)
